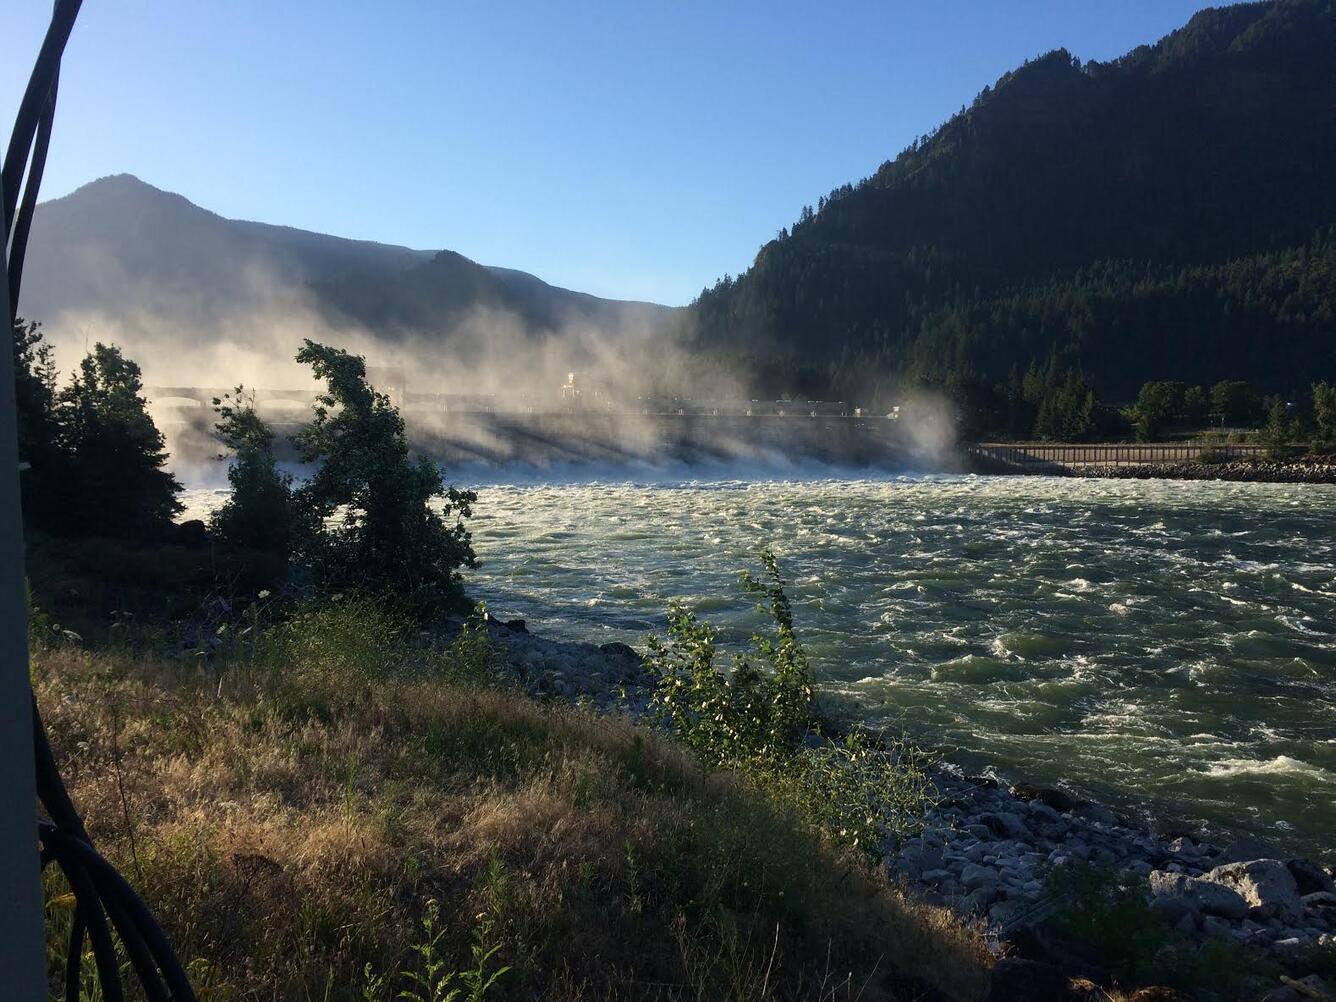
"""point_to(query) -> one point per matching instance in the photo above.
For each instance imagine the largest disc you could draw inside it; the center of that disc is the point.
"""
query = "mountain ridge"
(970, 253)
(119, 245)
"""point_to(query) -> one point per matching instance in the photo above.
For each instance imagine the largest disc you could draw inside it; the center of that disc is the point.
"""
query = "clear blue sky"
(633, 149)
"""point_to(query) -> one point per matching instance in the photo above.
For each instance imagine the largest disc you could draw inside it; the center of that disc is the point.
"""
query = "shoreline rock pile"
(1318, 470)
(987, 848)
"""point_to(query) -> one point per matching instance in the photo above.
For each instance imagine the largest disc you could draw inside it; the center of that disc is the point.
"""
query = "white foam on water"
(1281, 765)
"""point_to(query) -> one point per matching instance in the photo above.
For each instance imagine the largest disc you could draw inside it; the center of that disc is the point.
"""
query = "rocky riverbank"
(1316, 470)
(988, 851)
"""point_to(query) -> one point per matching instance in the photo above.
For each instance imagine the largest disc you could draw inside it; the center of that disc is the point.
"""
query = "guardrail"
(1039, 455)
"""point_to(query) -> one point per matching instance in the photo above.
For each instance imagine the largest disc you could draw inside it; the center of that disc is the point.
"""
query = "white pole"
(22, 942)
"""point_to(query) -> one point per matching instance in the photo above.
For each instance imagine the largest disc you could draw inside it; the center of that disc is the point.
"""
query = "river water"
(1168, 647)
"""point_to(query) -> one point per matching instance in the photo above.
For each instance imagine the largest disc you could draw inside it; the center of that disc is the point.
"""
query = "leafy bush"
(864, 790)
(750, 716)
(388, 524)
(756, 718)
(260, 513)
(470, 656)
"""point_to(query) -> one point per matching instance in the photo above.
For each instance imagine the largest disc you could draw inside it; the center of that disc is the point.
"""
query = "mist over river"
(1168, 647)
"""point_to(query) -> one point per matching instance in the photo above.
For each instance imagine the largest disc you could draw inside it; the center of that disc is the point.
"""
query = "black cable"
(22, 223)
(106, 909)
(30, 109)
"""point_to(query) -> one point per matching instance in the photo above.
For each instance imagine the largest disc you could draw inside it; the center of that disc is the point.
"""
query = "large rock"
(1310, 878)
(1177, 892)
(1265, 884)
(624, 660)
(973, 876)
(1006, 825)
(1048, 795)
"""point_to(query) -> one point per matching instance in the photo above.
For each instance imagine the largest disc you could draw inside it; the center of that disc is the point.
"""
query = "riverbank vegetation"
(293, 800)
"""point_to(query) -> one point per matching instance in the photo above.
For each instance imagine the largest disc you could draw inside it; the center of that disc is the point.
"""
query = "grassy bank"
(295, 814)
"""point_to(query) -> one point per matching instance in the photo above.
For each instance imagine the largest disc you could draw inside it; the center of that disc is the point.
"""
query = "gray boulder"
(1050, 796)
(973, 876)
(1265, 884)
(1007, 825)
(1176, 892)
(1310, 878)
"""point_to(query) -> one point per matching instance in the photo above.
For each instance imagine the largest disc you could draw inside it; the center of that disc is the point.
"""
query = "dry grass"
(288, 827)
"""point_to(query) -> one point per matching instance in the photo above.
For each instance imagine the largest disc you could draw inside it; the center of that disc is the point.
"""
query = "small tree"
(1280, 429)
(1196, 404)
(1324, 411)
(1157, 403)
(116, 484)
(388, 538)
(260, 513)
(1235, 401)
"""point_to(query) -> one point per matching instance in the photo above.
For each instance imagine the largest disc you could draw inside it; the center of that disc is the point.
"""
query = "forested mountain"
(122, 251)
(1167, 215)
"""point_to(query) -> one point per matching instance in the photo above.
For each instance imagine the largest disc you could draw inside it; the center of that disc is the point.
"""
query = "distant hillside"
(126, 253)
(1164, 216)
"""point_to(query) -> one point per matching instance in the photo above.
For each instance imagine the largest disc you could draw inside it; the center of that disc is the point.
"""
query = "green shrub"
(757, 718)
(432, 979)
(753, 715)
(470, 656)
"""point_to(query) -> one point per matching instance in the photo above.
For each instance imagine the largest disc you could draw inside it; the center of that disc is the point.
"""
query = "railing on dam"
(1035, 455)
(192, 399)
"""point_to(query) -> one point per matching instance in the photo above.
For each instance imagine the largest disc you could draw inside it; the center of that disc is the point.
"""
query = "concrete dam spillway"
(455, 429)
